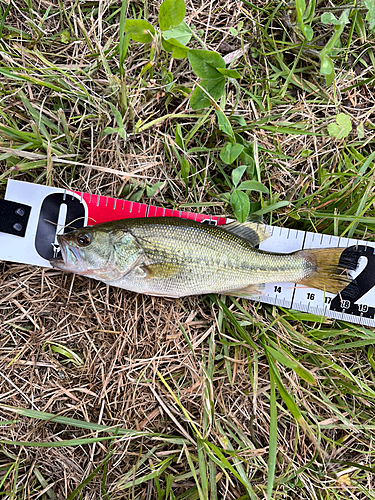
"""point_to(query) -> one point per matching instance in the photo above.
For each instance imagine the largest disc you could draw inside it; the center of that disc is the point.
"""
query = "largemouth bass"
(173, 257)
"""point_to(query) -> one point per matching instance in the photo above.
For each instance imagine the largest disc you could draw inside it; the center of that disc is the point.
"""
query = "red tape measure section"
(105, 209)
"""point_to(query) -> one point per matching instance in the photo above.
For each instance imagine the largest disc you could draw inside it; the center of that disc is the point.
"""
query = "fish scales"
(207, 261)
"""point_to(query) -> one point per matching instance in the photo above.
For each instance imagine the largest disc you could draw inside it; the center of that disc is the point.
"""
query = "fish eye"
(83, 240)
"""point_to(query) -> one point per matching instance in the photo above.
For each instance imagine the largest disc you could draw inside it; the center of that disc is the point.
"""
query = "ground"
(109, 394)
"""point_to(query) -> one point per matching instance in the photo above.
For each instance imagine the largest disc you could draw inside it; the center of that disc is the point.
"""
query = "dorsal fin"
(252, 232)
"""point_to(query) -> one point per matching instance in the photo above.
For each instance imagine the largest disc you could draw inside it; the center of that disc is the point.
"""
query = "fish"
(174, 257)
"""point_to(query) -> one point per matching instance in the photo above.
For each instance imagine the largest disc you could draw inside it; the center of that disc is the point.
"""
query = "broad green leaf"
(214, 87)
(341, 128)
(240, 205)
(137, 195)
(330, 78)
(237, 174)
(327, 66)
(182, 33)
(119, 130)
(239, 119)
(230, 73)
(360, 131)
(329, 18)
(122, 133)
(274, 206)
(199, 99)
(65, 36)
(109, 130)
(308, 15)
(253, 186)
(204, 63)
(230, 152)
(178, 50)
(139, 30)
(344, 18)
(370, 16)
(175, 40)
(309, 34)
(300, 18)
(151, 190)
(171, 14)
(223, 122)
(247, 157)
(301, 6)
(211, 88)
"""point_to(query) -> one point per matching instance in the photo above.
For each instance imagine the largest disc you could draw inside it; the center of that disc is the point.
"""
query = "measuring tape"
(31, 215)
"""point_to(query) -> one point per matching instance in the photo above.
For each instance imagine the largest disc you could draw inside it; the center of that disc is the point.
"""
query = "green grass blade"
(272, 453)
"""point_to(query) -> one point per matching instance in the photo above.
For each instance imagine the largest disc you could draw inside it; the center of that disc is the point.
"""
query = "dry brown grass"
(124, 340)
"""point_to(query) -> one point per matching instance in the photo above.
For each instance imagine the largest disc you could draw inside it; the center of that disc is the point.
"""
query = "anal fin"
(257, 289)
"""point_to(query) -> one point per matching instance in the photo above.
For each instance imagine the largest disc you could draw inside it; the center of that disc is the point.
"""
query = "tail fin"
(328, 267)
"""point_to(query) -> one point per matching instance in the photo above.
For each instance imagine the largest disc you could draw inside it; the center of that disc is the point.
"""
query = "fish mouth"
(57, 262)
(69, 258)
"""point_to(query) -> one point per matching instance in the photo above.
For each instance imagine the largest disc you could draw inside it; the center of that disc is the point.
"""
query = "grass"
(109, 394)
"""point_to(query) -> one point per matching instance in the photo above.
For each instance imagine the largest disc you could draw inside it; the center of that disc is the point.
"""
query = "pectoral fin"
(159, 270)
